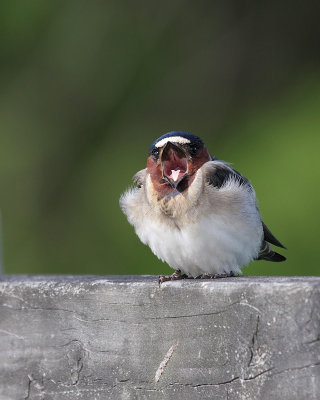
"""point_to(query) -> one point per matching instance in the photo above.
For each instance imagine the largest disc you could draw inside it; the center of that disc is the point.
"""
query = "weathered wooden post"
(124, 337)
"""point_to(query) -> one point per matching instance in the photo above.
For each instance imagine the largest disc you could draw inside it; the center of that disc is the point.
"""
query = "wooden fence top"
(126, 337)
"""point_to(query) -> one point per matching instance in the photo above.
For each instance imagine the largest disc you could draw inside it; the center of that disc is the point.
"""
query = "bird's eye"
(155, 152)
(194, 149)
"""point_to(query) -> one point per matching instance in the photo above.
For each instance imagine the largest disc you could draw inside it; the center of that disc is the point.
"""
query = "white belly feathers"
(211, 245)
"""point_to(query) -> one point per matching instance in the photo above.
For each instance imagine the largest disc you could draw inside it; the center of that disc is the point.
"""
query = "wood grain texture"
(124, 337)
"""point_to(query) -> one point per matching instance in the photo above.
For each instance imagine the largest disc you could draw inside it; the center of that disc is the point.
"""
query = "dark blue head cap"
(193, 139)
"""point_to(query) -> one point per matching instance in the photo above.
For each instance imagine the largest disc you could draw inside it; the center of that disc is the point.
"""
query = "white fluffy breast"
(219, 232)
(213, 245)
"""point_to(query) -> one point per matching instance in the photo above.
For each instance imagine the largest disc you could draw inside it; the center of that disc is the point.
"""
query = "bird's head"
(173, 160)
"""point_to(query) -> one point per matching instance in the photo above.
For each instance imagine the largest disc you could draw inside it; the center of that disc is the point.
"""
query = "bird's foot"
(174, 277)
(214, 276)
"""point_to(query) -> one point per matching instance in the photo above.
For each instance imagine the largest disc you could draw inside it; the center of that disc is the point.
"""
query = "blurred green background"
(87, 86)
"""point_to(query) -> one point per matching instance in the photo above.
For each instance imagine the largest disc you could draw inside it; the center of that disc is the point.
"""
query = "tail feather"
(269, 237)
(268, 254)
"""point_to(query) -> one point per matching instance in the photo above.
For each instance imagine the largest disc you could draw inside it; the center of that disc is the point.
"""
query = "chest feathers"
(175, 205)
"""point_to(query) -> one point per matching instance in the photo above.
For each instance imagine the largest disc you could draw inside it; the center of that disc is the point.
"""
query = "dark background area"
(87, 86)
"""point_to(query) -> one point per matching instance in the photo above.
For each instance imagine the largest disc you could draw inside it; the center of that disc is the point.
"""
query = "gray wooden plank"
(124, 337)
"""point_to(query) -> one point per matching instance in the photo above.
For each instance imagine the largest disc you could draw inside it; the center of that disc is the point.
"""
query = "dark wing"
(223, 172)
(268, 236)
(266, 252)
(221, 175)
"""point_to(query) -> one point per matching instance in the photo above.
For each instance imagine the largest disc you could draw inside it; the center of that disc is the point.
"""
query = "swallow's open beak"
(174, 164)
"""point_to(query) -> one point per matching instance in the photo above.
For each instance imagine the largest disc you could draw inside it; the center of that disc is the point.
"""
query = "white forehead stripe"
(173, 139)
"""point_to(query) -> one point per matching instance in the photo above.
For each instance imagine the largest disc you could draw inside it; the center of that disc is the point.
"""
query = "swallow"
(196, 212)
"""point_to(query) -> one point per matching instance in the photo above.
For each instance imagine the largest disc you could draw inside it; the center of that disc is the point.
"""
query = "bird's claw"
(214, 276)
(174, 277)
(177, 276)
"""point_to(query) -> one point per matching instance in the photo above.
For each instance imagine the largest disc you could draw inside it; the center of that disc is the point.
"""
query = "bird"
(195, 212)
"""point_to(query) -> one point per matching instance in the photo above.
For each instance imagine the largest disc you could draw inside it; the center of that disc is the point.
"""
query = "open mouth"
(174, 164)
